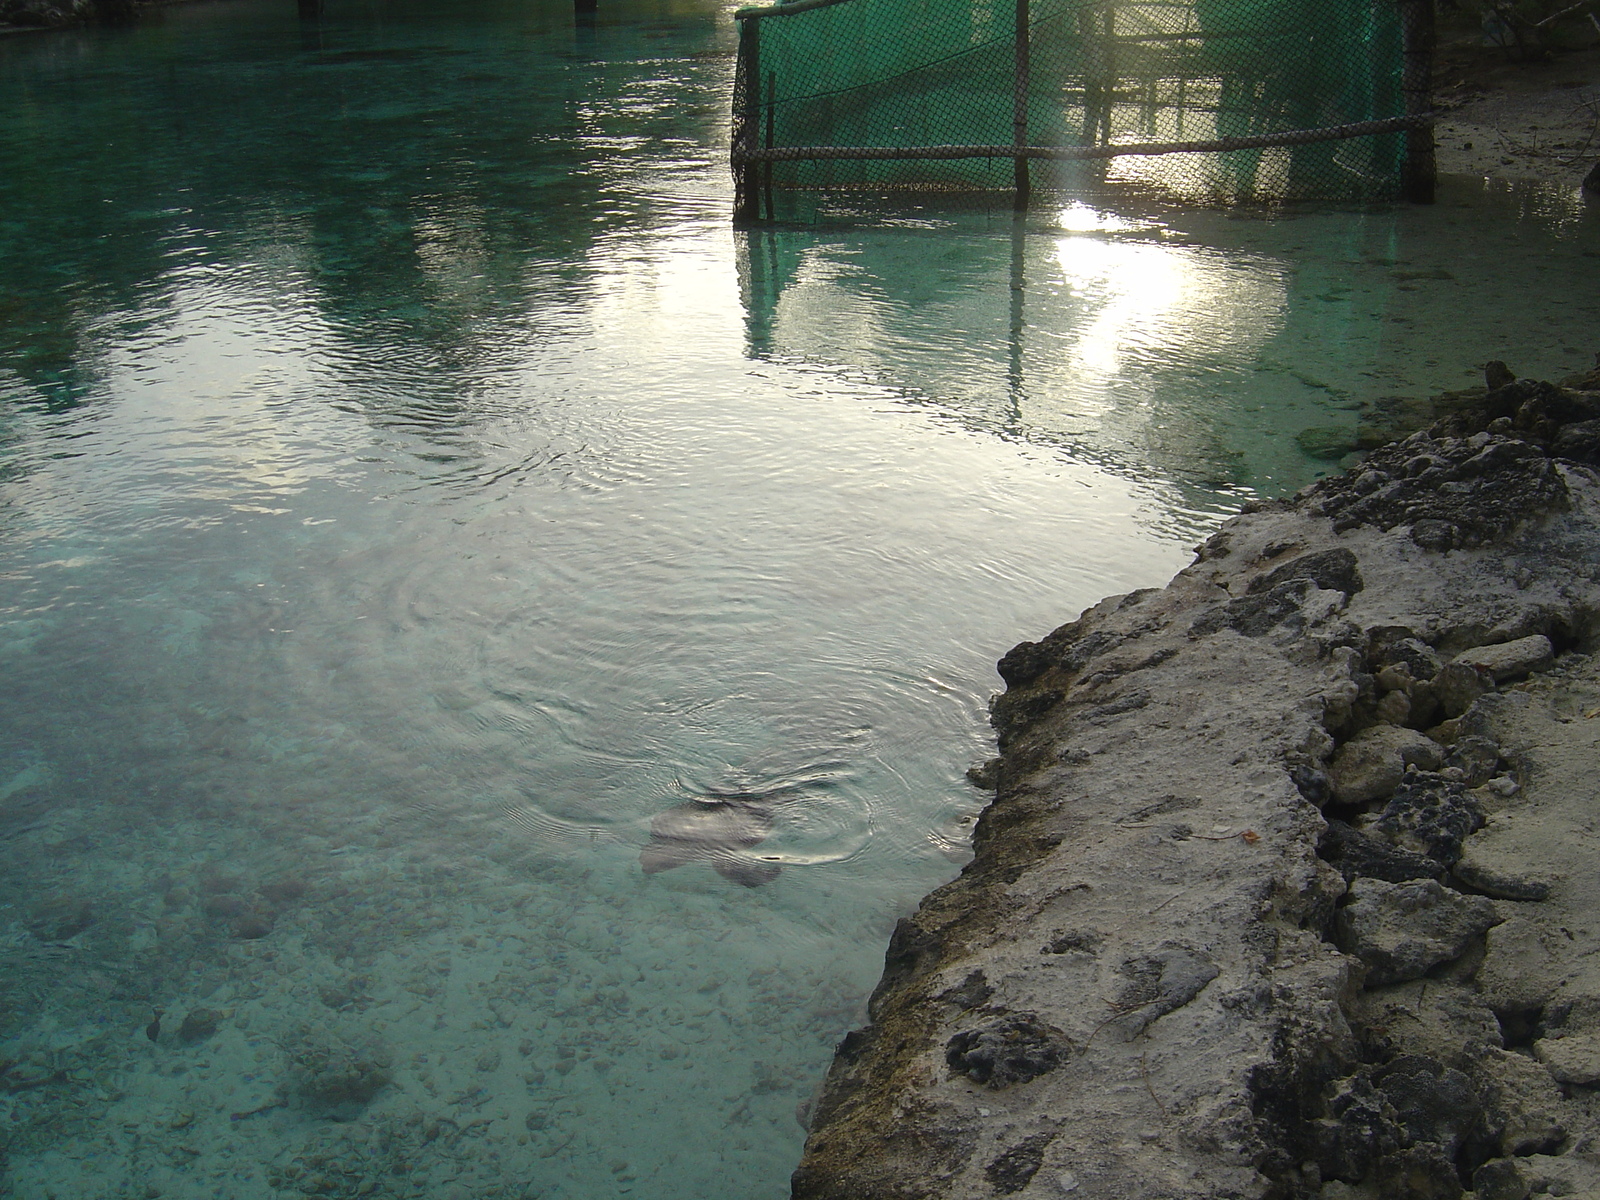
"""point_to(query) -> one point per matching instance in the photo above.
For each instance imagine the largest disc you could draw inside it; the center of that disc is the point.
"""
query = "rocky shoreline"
(35, 16)
(1288, 886)
(22, 16)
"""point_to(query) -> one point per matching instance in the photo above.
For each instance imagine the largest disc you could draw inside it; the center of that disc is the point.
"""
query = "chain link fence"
(1209, 100)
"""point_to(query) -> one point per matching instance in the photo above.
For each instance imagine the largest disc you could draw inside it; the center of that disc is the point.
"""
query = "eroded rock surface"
(1287, 889)
(1403, 930)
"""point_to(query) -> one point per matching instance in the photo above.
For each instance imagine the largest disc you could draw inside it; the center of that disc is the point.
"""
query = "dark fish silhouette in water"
(715, 833)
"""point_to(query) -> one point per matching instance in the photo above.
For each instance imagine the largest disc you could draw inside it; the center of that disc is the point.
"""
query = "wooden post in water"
(1019, 108)
(1019, 289)
(766, 173)
(1416, 25)
(747, 136)
(585, 11)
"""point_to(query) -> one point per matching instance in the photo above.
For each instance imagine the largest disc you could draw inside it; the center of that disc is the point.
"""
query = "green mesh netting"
(945, 87)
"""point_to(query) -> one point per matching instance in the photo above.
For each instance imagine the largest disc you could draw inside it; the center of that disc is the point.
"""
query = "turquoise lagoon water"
(411, 487)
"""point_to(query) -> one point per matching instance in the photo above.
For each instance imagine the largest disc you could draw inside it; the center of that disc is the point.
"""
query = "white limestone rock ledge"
(1290, 886)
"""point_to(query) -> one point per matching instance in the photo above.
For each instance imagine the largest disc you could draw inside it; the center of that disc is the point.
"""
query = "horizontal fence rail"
(1291, 137)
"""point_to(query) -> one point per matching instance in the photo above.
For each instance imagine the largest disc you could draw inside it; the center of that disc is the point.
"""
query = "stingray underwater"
(716, 832)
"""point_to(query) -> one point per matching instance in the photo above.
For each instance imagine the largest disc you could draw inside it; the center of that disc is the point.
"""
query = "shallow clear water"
(411, 488)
